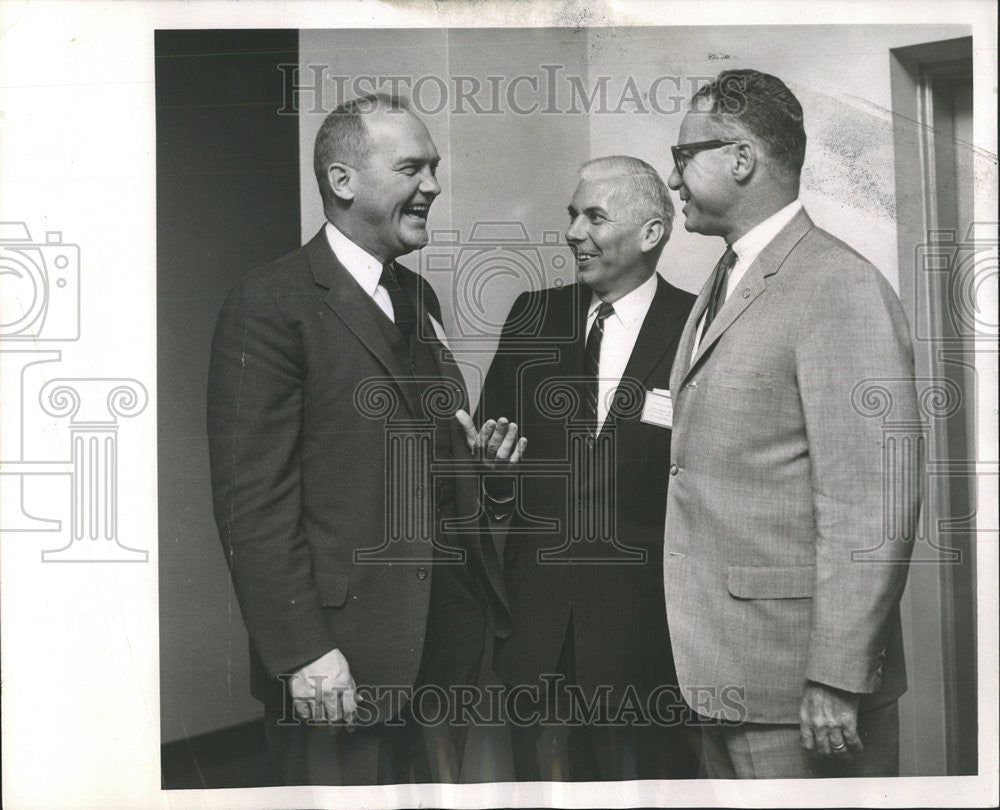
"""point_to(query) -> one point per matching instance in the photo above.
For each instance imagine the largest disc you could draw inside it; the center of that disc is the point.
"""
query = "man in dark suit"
(336, 458)
(791, 511)
(585, 369)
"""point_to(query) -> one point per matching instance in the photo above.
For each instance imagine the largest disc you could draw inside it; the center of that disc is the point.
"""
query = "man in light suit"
(789, 519)
(582, 560)
(352, 591)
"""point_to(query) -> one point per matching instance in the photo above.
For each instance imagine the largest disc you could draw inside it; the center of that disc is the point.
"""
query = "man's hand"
(828, 721)
(325, 690)
(496, 441)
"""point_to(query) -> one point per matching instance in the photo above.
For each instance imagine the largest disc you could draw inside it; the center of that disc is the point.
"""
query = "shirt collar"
(749, 246)
(365, 268)
(631, 306)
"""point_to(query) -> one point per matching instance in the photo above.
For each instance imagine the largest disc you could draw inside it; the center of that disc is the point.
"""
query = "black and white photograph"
(499, 405)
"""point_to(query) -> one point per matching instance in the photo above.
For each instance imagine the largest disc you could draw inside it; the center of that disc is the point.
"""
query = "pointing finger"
(467, 425)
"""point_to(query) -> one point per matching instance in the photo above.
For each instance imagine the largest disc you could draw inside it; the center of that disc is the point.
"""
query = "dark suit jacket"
(617, 607)
(304, 383)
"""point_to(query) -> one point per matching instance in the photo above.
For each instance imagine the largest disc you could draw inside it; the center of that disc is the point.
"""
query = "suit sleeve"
(499, 398)
(855, 374)
(255, 395)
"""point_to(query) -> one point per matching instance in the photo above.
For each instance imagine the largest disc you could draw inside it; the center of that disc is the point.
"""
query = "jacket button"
(746, 293)
(419, 492)
(421, 573)
(674, 469)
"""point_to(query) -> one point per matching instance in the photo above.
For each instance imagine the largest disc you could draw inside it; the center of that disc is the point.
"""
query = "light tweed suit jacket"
(791, 510)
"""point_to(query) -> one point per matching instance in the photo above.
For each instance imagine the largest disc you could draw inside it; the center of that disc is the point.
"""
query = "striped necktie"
(718, 296)
(592, 363)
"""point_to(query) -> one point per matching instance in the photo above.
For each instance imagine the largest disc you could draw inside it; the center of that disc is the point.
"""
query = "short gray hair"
(638, 185)
(344, 138)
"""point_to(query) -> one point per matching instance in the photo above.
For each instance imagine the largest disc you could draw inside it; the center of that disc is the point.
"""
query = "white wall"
(506, 167)
(840, 74)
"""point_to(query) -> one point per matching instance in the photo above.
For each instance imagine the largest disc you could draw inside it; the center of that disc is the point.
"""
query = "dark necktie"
(718, 296)
(592, 363)
(404, 313)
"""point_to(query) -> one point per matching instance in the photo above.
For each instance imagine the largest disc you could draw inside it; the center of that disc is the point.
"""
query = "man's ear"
(340, 176)
(746, 161)
(651, 234)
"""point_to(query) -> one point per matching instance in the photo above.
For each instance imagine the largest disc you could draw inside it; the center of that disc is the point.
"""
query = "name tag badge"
(658, 408)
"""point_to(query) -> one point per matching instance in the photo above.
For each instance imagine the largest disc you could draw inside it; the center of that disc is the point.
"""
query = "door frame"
(930, 250)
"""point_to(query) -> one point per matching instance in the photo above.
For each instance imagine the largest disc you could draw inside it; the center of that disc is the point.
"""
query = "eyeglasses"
(684, 152)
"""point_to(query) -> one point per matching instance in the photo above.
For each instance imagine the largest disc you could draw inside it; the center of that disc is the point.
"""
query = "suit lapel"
(572, 361)
(750, 287)
(355, 308)
(443, 357)
(452, 374)
(663, 321)
(682, 360)
(466, 491)
(753, 284)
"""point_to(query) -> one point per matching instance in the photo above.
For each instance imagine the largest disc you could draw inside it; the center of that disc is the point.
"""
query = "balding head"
(344, 136)
(376, 165)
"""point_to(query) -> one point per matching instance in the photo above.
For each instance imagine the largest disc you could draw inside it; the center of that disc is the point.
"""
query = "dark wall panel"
(227, 200)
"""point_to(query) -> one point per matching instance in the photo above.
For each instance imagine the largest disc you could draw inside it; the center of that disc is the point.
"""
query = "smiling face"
(606, 240)
(393, 191)
(707, 187)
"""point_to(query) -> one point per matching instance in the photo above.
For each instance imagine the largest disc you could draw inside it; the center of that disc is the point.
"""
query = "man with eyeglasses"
(789, 525)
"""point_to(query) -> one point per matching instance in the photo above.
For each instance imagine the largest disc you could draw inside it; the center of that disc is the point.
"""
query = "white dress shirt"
(621, 330)
(748, 247)
(367, 271)
(365, 268)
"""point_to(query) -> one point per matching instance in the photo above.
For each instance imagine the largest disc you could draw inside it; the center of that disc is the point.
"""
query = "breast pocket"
(772, 582)
(742, 380)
